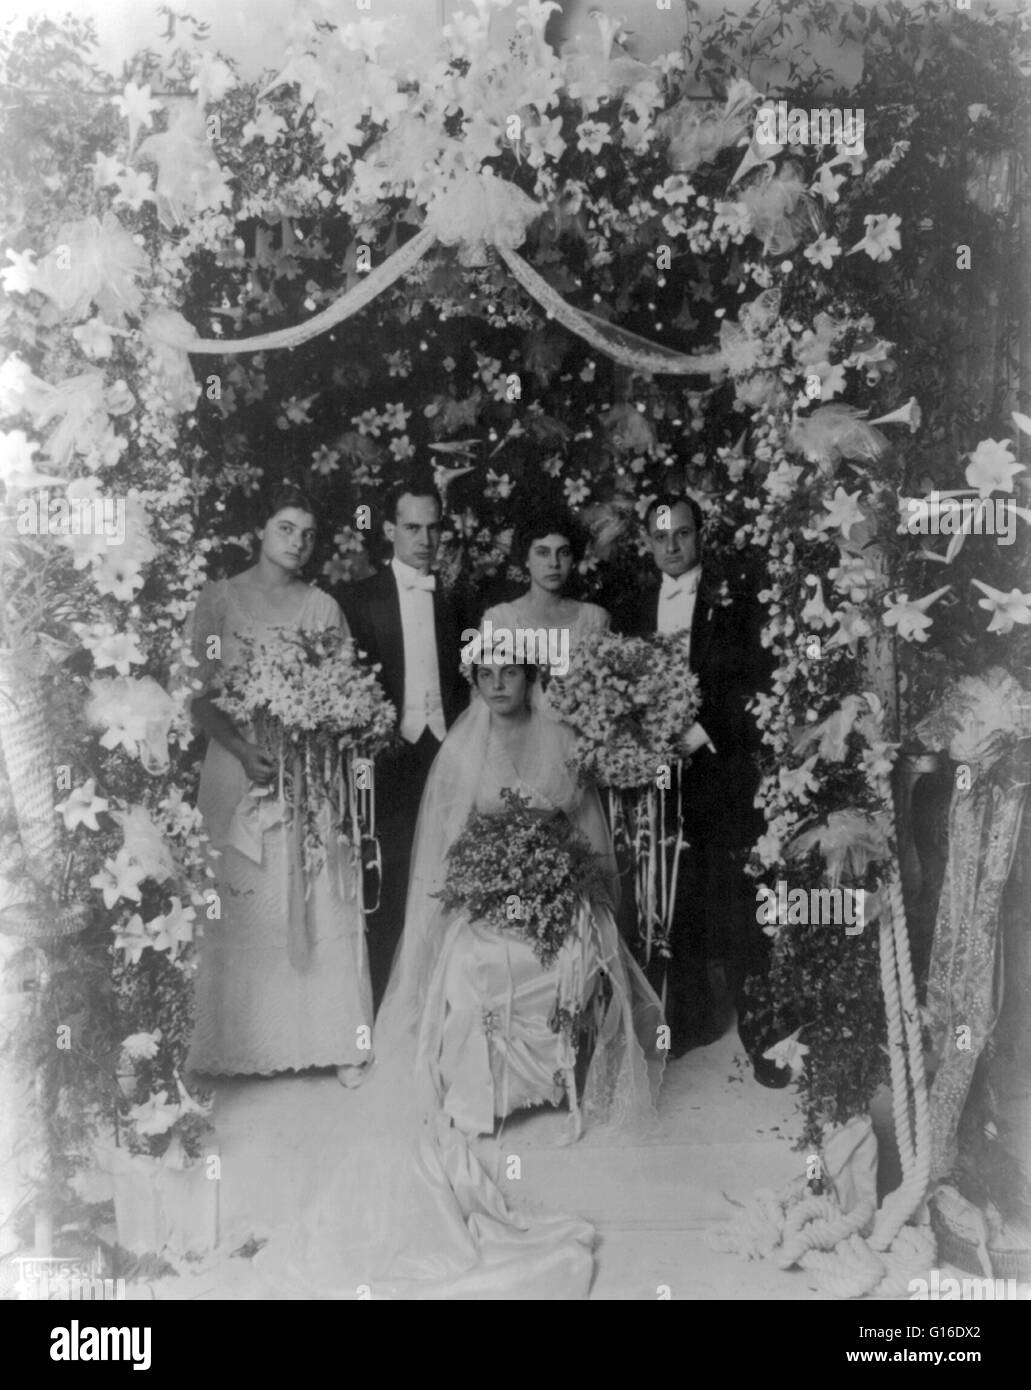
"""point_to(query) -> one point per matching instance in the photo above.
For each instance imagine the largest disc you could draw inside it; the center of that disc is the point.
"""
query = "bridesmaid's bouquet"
(522, 873)
(309, 687)
(630, 702)
(322, 714)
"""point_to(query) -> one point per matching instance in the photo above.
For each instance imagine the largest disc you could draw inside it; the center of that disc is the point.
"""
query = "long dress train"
(409, 1211)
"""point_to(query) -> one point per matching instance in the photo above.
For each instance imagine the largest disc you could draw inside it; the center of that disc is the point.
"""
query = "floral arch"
(617, 289)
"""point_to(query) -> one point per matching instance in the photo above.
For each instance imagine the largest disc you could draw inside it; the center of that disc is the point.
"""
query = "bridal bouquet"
(522, 873)
(323, 715)
(630, 702)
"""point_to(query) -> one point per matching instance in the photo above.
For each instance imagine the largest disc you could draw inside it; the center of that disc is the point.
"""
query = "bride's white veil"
(449, 797)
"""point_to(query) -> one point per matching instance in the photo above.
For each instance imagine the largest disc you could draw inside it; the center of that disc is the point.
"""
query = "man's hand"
(259, 766)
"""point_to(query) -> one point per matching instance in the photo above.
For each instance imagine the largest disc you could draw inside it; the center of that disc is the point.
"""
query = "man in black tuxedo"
(715, 901)
(403, 623)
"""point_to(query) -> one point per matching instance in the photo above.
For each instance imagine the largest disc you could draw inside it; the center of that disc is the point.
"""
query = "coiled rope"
(863, 1251)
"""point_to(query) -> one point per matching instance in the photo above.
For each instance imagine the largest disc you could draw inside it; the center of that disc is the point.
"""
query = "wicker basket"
(34, 923)
(958, 1250)
(25, 748)
(29, 904)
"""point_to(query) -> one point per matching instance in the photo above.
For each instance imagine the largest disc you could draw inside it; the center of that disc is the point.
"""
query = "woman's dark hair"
(414, 484)
(548, 520)
(286, 495)
(532, 672)
(671, 500)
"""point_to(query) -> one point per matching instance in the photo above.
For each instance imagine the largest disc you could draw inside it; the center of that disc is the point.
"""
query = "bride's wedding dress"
(408, 1211)
(488, 1042)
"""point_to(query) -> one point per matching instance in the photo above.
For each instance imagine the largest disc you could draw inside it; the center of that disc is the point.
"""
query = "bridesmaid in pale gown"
(283, 980)
(549, 542)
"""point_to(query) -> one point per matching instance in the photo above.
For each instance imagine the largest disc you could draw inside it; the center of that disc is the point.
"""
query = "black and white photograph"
(515, 680)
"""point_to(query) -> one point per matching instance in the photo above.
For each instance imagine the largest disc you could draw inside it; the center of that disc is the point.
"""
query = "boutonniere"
(714, 595)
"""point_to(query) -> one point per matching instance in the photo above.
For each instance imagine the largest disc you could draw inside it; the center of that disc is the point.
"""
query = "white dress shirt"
(422, 705)
(677, 599)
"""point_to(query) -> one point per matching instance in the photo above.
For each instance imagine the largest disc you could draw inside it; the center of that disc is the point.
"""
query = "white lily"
(908, 616)
(1007, 609)
(789, 1052)
(908, 414)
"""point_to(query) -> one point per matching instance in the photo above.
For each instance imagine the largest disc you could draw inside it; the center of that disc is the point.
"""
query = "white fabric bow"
(420, 581)
(683, 584)
(258, 811)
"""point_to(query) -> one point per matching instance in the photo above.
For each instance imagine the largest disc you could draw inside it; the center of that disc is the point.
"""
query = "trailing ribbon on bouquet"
(296, 877)
(643, 820)
(570, 1002)
(329, 815)
(479, 213)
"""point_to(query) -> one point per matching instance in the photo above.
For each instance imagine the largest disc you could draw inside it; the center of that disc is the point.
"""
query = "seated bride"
(529, 996)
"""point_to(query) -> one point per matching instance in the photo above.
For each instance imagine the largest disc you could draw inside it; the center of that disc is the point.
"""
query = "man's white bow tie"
(421, 581)
(683, 584)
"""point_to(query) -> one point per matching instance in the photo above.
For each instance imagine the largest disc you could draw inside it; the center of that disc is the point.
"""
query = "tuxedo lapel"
(447, 647)
(651, 613)
(387, 622)
(702, 624)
